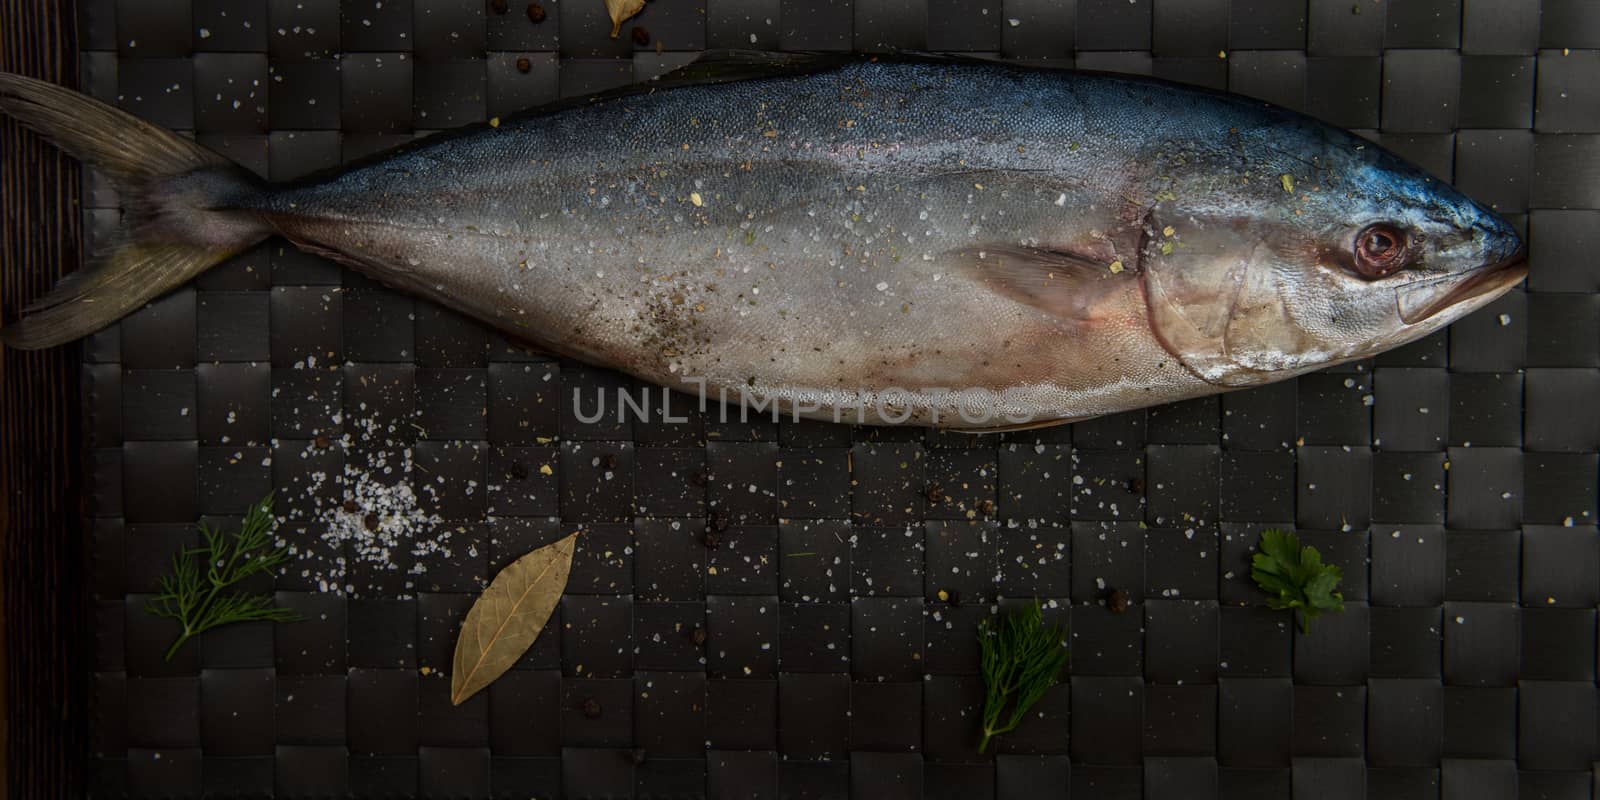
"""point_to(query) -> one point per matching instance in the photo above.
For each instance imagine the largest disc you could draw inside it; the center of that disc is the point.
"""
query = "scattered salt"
(373, 518)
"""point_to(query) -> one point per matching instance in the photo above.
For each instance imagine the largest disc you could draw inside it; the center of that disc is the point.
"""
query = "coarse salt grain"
(400, 525)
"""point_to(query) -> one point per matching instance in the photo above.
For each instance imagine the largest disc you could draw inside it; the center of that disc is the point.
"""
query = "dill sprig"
(196, 595)
(1021, 660)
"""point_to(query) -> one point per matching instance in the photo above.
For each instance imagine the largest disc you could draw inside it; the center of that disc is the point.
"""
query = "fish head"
(1336, 253)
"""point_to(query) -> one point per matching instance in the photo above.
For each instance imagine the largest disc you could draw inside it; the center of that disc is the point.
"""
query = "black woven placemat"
(1454, 480)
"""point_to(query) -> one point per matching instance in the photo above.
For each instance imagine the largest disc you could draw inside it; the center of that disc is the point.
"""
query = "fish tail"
(180, 211)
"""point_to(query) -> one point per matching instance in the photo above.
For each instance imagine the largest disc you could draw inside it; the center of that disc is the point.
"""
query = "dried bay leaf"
(621, 11)
(505, 620)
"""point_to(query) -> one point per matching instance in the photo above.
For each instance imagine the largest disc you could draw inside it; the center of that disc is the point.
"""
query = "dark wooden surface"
(43, 662)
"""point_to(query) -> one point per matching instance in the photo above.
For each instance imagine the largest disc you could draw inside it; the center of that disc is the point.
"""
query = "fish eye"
(1380, 250)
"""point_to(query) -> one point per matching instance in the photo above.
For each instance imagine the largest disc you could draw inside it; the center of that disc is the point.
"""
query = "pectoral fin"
(1059, 283)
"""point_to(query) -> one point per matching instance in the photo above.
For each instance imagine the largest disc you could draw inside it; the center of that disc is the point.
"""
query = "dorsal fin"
(723, 66)
(711, 67)
(726, 66)
(1059, 283)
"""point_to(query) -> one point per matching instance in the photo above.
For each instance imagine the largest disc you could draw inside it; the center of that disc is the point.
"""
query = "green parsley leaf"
(1296, 577)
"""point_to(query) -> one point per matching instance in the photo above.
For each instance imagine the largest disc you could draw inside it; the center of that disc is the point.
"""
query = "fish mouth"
(1491, 279)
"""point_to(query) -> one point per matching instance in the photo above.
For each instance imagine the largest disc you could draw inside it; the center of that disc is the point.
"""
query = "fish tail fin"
(180, 213)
